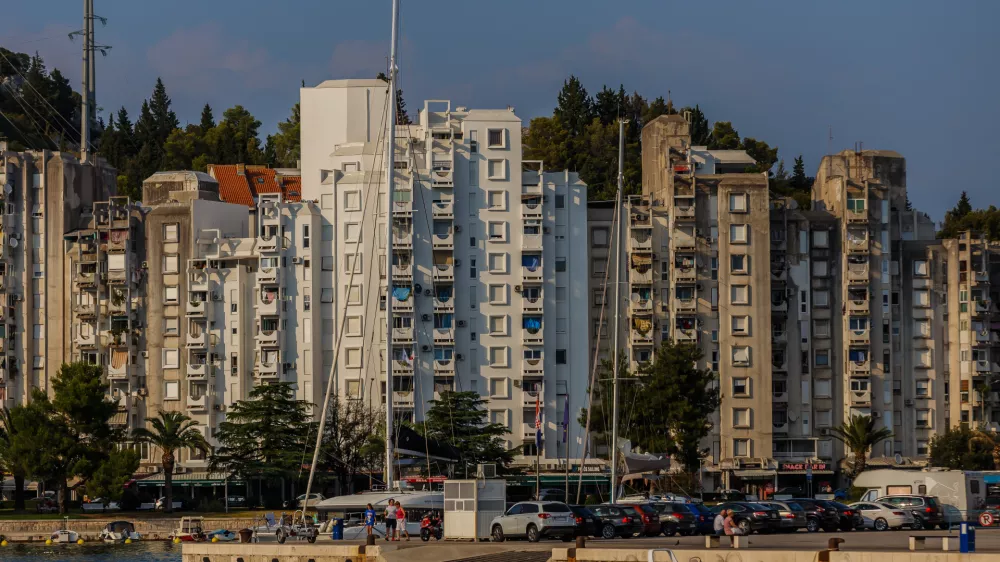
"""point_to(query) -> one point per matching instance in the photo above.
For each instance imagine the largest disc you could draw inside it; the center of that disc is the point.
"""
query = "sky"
(913, 76)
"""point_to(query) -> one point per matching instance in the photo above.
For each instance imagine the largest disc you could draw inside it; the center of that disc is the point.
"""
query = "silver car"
(534, 520)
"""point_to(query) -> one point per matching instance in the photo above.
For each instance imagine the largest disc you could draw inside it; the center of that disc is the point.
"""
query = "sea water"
(142, 551)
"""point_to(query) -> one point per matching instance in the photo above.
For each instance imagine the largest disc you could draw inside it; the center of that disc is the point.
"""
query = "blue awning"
(532, 323)
(532, 262)
(992, 478)
(401, 293)
(442, 321)
(858, 355)
(444, 293)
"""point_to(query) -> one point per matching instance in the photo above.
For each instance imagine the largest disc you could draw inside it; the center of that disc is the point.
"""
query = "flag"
(538, 421)
(566, 420)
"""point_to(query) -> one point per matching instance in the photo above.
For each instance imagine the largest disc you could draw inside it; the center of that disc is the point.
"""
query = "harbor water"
(143, 551)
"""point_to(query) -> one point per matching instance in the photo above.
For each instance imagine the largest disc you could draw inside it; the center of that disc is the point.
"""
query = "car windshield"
(795, 506)
(555, 508)
(699, 508)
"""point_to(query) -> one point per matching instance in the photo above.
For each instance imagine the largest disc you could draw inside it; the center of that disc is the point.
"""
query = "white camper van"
(960, 493)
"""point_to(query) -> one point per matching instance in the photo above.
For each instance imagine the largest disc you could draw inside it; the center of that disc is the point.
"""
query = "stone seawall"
(32, 530)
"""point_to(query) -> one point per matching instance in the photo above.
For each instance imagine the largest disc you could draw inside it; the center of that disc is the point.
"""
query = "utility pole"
(390, 166)
(88, 23)
(618, 300)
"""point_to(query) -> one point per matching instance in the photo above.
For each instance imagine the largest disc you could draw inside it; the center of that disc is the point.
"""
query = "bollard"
(834, 543)
(370, 541)
(581, 542)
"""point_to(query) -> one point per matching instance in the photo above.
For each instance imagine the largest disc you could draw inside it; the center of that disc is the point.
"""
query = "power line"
(19, 131)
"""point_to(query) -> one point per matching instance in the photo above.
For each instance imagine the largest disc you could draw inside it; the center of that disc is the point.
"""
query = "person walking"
(401, 521)
(370, 519)
(390, 520)
(717, 525)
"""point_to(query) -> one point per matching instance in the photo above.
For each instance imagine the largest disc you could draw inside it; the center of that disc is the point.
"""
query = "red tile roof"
(242, 184)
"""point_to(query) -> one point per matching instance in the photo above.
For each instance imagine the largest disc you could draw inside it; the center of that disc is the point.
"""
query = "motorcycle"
(430, 526)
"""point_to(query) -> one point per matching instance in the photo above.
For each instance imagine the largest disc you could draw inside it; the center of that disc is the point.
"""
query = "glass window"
(170, 232)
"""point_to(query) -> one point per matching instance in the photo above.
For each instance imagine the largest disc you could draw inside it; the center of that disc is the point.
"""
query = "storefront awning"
(119, 418)
(755, 473)
(198, 478)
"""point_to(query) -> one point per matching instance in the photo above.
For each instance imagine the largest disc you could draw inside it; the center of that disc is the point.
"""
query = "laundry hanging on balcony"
(643, 293)
(641, 259)
(858, 355)
(403, 355)
(444, 294)
(642, 325)
(119, 358)
(532, 262)
(119, 236)
(532, 323)
(401, 293)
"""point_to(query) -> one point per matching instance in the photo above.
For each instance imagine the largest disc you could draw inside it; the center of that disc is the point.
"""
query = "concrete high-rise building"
(484, 248)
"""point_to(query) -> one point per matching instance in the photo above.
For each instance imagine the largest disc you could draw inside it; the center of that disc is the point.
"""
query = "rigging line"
(19, 131)
(43, 132)
(41, 97)
(341, 331)
(597, 353)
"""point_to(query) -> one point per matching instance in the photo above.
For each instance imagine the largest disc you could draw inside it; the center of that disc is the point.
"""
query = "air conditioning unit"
(143, 391)
(428, 293)
(517, 383)
(216, 297)
(459, 357)
(144, 354)
(151, 469)
(517, 288)
(458, 263)
(458, 228)
(145, 265)
(484, 471)
(824, 432)
(217, 407)
(180, 469)
(461, 323)
(287, 366)
(908, 402)
(425, 317)
(876, 415)
(425, 348)
(296, 260)
(418, 287)
(547, 230)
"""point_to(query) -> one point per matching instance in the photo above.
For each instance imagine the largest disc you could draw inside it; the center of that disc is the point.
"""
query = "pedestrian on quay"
(370, 519)
(390, 520)
(401, 519)
(719, 522)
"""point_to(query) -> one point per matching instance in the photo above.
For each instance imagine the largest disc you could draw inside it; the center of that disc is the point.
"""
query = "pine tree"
(286, 143)
(575, 109)
(724, 136)
(207, 119)
(164, 119)
(700, 133)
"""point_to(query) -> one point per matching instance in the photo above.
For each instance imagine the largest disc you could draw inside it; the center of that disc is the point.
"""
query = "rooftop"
(242, 184)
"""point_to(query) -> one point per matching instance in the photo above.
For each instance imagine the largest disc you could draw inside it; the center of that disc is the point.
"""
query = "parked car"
(236, 501)
(675, 518)
(618, 520)
(793, 516)
(650, 518)
(750, 517)
(818, 516)
(848, 518)
(314, 498)
(883, 516)
(98, 505)
(533, 521)
(587, 523)
(704, 518)
(926, 510)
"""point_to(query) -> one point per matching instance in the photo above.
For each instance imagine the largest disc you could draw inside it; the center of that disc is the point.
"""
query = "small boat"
(189, 530)
(64, 536)
(221, 535)
(119, 531)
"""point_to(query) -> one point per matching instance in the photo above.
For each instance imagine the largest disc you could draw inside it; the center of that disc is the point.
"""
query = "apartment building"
(45, 196)
(484, 245)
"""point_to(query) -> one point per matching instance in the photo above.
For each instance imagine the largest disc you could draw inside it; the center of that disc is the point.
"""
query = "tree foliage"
(989, 441)
(351, 428)
(108, 480)
(981, 222)
(955, 449)
(266, 436)
(859, 436)
(460, 419)
(40, 109)
(171, 432)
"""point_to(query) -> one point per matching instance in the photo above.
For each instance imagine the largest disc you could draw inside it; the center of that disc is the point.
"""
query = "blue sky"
(913, 76)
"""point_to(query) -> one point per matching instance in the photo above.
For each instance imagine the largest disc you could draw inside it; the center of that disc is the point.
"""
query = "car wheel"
(281, 537)
(608, 531)
(311, 539)
(669, 530)
(497, 533)
(918, 524)
(533, 534)
(881, 524)
(745, 527)
(812, 526)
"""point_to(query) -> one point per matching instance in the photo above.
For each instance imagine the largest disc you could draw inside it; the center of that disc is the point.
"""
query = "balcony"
(268, 338)
(118, 364)
(442, 173)
(443, 210)
(780, 427)
(531, 330)
(402, 397)
(983, 366)
(686, 330)
(444, 240)
(85, 278)
(267, 243)
(641, 302)
(402, 272)
(268, 305)
(779, 302)
(983, 306)
(402, 335)
(528, 431)
(780, 397)
(857, 242)
(532, 242)
(266, 370)
(198, 339)
(641, 270)
(981, 278)
(685, 305)
(86, 340)
(85, 310)
(642, 331)
(857, 271)
(861, 397)
(533, 392)
(196, 308)
(198, 370)
(684, 270)
(858, 307)
(444, 367)
(641, 239)
(683, 239)
(531, 268)
(444, 335)
(684, 208)
(267, 276)
(533, 367)
(403, 208)
(402, 238)
(779, 338)
(444, 272)
(856, 211)
(198, 280)
(859, 367)
(859, 337)
(531, 206)
(199, 400)
(444, 300)
(402, 299)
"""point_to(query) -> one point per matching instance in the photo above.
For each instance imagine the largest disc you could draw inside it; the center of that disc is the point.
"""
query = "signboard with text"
(804, 466)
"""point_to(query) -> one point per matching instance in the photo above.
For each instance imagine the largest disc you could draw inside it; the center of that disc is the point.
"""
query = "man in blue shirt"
(369, 518)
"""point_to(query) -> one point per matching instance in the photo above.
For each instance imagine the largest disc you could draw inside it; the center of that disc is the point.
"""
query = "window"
(821, 239)
(353, 388)
(353, 294)
(921, 298)
(171, 326)
(495, 138)
(739, 264)
(739, 234)
(498, 263)
(822, 358)
(352, 200)
(171, 358)
(352, 357)
(598, 267)
(599, 237)
(738, 202)
(560, 357)
(354, 325)
(741, 447)
(920, 268)
(170, 232)
(821, 299)
(498, 388)
(498, 325)
(560, 265)
(496, 200)
(498, 231)
(599, 297)
(715, 268)
(739, 294)
(822, 388)
(923, 450)
(171, 295)
(560, 201)
(327, 263)
(824, 418)
(741, 387)
(741, 325)
(172, 390)
(497, 168)
(859, 385)
(498, 356)
(741, 417)
(741, 356)
(472, 267)
(498, 294)
(821, 328)
(305, 235)
(352, 261)
(923, 418)
(858, 324)
(923, 389)
(820, 268)
(171, 264)
(855, 204)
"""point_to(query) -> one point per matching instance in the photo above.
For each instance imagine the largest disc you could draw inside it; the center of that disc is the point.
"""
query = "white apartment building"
(488, 257)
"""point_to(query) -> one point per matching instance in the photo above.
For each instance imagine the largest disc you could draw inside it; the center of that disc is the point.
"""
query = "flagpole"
(566, 443)
(538, 444)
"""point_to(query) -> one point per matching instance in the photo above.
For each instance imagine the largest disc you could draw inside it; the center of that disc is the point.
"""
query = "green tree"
(266, 436)
(171, 432)
(859, 435)
(108, 480)
(575, 109)
(724, 136)
(13, 459)
(610, 104)
(988, 441)
(461, 420)
(701, 135)
(349, 428)
(956, 450)
(207, 119)
(546, 139)
(81, 398)
(761, 152)
(287, 142)
(799, 181)
(234, 140)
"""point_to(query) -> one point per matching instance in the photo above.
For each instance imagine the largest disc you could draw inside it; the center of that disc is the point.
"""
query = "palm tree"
(171, 431)
(988, 439)
(859, 435)
(7, 461)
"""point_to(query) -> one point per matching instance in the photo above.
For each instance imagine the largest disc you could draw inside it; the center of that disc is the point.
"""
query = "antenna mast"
(618, 270)
(390, 165)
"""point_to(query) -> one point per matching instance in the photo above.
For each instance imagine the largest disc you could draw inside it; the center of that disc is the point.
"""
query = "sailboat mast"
(390, 164)
(617, 321)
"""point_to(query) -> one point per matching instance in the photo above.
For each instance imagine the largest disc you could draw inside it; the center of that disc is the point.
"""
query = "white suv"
(534, 520)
